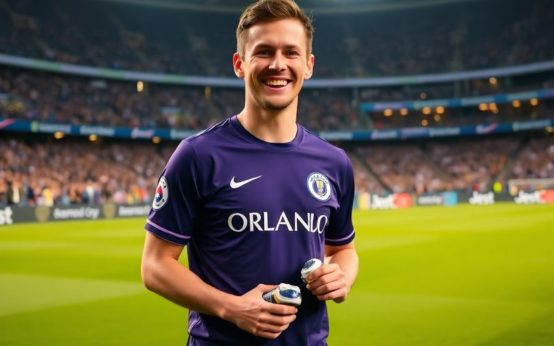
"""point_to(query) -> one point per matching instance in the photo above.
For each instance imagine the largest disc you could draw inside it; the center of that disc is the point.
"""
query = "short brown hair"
(270, 10)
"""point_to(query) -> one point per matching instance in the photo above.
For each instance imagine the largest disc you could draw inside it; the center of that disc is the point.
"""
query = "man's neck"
(269, 126)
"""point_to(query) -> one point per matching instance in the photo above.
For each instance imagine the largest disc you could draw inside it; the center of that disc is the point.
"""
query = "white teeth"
(276, 82)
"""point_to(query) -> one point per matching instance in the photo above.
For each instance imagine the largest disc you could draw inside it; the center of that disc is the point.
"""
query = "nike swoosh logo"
(236, 184)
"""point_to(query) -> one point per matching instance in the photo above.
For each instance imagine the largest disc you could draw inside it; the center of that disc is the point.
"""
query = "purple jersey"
(252, 212)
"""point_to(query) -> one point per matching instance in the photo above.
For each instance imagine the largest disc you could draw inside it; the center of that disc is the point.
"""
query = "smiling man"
(253, 198)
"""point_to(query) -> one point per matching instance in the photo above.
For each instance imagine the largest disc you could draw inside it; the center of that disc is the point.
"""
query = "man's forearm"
(170, 279)
(162, 273)
(347, 259)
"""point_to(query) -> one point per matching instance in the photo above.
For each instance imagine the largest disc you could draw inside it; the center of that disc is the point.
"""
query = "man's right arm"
(163, 274)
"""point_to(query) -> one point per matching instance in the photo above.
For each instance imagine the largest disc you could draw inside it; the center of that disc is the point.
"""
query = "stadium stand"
(116, 172)
(457, 37)
(445, 38)
(536, 160)
(45, 172)
(472, 165)
(75, 100)
(402, 168)
(35, 95)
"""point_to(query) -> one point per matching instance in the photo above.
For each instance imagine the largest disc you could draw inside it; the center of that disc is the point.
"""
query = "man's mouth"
(276, 83)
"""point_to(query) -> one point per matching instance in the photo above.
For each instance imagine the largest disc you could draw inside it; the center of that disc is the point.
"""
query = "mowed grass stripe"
(465, 275)
(24, 293)
(105, 249)
(135, 319)
(537, 331)
(512, 264)
(385, 319)
(464, 218)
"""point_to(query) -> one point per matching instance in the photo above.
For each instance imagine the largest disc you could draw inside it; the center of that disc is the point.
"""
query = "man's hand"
(250, 312)
(329, 282)
(334, 279)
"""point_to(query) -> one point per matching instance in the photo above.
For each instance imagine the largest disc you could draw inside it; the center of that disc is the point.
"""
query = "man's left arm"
(334, 279)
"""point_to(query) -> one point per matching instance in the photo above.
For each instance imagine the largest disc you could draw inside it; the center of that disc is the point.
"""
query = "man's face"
(274, 64)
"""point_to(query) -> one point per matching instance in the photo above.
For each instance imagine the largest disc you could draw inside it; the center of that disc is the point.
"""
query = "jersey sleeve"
(175, 206)
(341, 230)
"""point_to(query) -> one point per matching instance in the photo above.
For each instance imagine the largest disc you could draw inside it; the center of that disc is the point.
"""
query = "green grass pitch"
(460, 275)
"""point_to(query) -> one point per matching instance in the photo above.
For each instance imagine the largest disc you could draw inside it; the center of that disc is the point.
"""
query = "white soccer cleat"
(284, 294)
(309, 267)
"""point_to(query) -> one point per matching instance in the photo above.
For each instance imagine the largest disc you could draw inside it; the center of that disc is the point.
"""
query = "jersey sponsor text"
(310, 222)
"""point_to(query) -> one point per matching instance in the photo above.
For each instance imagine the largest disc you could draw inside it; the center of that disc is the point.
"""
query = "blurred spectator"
(471, 165)
(403, 168)
(536, 160)
(34, 95)
(126, 172)
(92, 173)
(49, 97)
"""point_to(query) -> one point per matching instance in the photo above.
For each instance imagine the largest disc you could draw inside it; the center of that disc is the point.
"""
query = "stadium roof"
(315, 6)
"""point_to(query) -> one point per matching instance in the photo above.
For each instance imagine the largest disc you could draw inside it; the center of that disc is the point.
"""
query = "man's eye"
(264, 52)
(292, 53)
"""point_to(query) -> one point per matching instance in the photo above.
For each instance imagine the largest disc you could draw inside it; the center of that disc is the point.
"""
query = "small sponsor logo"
(528, 197)
(393, 201)
(430, 200)
(319, 186)
(382, 202)
(6, 216)
(264, 222)
(481, 198)
(402, 200)
(42, 213)
(547, 196)
(485, 129)
(133, 210)
(162, 194)
(236, 184)
(109, 210)
(76, 213)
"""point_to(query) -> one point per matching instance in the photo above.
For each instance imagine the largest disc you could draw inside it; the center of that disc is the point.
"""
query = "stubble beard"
(275, 107)
(266, 103)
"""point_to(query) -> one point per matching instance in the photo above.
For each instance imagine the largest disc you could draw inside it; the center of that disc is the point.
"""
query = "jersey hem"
(341, 241)
(164, 235)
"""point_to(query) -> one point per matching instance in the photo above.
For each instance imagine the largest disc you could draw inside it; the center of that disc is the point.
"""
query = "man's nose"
(278, 62)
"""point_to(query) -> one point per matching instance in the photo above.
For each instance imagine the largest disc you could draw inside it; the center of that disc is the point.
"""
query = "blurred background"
(426, 97)
(437, 103)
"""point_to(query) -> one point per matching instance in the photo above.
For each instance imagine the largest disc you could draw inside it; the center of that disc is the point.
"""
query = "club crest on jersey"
(319, 186)
(162, 194)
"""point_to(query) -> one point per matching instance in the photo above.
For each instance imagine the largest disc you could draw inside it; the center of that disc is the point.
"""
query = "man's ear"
(237, 66)
(310, 67)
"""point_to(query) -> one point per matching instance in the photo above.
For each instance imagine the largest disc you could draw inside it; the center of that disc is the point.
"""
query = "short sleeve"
(341, 230)
(176, 201)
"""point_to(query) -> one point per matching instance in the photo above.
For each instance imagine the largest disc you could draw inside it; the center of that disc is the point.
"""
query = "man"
(253, 198)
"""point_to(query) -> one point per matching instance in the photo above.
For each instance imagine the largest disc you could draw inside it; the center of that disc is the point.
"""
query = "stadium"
(444, 107)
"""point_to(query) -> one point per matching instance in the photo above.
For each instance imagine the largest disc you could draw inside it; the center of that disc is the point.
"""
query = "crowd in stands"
(472, 165)
(72, 171)
(403, 168)
(76, 100)
(536, 160)
(121, 36)
(47, 97)
(63, 99)
(432, 39)
(453, 165)
(458, 89)
(462, 116)
(364, 181)
(67, 172)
